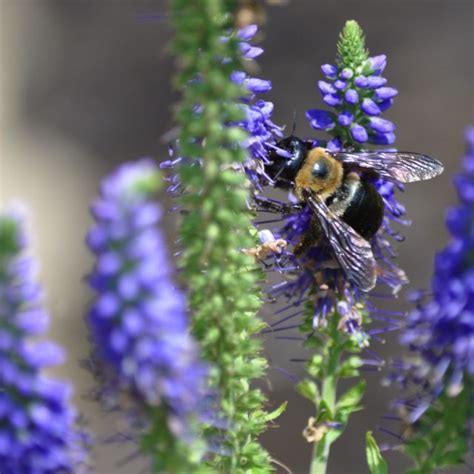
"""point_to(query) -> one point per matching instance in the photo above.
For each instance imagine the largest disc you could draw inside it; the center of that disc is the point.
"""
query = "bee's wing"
(352, 251)
(399, 166)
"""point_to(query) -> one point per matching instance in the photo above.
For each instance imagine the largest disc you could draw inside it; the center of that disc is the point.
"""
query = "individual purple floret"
(441, 330)
(138, 321)
(37, 423)
(358, 96)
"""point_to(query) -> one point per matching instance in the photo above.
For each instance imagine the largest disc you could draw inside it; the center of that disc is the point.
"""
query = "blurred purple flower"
(37, 423)
(441, 330)
(138, 321)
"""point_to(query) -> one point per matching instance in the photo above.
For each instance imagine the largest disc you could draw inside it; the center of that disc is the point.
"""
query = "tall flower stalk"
(37, 422)
(439, 376)
(336, 314)
(138, 323)
(223, 282)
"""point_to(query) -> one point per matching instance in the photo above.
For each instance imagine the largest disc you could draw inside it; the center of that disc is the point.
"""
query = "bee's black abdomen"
(283, 170)
(365, 210)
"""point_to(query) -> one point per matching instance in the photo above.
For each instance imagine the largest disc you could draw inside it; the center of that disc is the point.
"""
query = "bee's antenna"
(294, 123)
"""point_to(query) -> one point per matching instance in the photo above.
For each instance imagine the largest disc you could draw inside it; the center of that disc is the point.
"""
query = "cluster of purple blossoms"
(441, 330)
(138, 321)
(358, 95)
(262, 132)
(37, 422)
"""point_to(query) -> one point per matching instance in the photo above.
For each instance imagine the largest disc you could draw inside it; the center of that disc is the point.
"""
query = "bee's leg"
(275, 206)
(309, 239)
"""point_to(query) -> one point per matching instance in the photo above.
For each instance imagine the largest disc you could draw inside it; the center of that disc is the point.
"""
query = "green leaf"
(309, 390)
(352, 397)
(376, 462)
(276, 413)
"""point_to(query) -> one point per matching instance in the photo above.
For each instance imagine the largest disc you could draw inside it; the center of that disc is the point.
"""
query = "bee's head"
(286, 160)
(320, 173)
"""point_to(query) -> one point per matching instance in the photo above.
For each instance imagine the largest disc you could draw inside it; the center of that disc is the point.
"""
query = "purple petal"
(347, 73)
(351, 96)
(248, 32)
(329, 70)
(381, 125)
(345, 118)
(359, 133)
(370, 107)
(382, 138)
(376, 81)
(326, 88)
(321, 119)
(361, 81)
(340, 85)
(383, 93)
(333, 100)
(378, 63)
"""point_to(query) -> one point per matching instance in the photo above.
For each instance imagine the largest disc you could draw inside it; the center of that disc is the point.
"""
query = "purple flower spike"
(37, 422)
(138, 321)
(441, 329)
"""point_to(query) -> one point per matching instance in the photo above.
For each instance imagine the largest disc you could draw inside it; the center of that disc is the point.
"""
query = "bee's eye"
(320, 169)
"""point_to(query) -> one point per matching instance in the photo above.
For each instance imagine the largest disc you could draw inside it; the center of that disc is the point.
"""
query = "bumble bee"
(348, 210)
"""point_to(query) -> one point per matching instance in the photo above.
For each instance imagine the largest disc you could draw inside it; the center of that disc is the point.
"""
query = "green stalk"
(223, 283)
(336, 357)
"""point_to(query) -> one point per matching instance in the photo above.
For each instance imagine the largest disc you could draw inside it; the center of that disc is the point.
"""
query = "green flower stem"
(321, 450)
(336, 357)
(223, 283)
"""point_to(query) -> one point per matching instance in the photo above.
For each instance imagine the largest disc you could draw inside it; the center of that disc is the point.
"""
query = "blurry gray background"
(85, 85)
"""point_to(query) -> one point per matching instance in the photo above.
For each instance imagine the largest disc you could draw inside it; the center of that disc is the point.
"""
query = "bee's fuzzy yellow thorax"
(324, 187)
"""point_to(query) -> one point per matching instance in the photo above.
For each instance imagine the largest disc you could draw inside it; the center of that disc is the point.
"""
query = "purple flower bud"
(359, 133)
(321, 119)
(340, 85)
(378, 63)
(385, 104)
(465, 187)
(335, 144)
(329, 70)
(326, 88)
(333, 100)
(258, 85)
(345, 118)
(238, 77)
(373, 82)
(370, 107)
(250, 52)
(351, 96)
(347, 73)
(382, 138)
(383, 93)
(361, 81)
(381, 125)
(248, 32)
